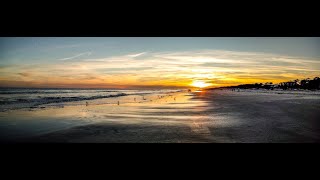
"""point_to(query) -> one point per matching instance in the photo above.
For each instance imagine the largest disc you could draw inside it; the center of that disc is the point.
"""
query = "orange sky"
(150, 69)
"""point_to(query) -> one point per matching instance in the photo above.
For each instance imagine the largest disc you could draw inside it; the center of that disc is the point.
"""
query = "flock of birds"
(143, 98)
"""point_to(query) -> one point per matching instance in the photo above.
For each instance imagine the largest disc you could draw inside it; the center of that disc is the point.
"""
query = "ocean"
(18, 98)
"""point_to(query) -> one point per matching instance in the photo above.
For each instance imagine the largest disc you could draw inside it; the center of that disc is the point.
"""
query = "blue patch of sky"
(51, 49)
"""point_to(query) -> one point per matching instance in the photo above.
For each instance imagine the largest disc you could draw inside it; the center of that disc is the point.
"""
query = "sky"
(155, 62)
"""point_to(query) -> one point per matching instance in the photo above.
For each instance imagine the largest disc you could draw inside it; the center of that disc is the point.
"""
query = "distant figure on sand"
(87, 103)
(134, 99)
(118, 103)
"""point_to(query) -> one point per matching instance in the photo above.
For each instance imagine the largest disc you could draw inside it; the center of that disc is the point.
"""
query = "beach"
(212, 116)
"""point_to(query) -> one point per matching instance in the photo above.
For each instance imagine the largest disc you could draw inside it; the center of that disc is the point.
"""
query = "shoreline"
(202, 117)
(65, 101)
(37, 121)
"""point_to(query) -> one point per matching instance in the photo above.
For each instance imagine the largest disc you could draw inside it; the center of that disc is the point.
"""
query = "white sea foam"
(34, 98)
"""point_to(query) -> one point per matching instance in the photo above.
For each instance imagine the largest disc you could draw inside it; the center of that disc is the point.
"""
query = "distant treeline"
(310, 84)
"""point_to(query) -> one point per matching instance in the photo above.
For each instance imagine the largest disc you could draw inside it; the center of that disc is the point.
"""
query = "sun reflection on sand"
(173, 109)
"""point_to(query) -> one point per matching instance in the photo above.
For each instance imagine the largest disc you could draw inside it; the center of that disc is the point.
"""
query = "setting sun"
(200, 84)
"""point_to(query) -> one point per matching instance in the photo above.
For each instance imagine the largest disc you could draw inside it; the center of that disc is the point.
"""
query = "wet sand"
(200, 117)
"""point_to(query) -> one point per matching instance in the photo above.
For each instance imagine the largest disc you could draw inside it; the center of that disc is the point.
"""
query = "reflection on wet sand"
(173, 109)
(203, 116)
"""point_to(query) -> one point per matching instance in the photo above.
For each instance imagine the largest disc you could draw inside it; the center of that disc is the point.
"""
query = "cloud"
(78, 55)
(136, 55)
(26, 74)
(169, 68)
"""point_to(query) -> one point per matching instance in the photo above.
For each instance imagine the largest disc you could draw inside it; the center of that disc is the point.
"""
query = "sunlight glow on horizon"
(200, 84)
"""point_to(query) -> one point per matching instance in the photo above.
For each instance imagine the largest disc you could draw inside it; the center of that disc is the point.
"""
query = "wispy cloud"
(78, 55)
(25, 74)
(136, 55)
(169, 68)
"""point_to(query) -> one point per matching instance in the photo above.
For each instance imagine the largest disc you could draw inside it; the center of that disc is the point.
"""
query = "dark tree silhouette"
(307, 83)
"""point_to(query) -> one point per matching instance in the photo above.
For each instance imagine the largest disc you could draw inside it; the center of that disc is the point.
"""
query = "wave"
(53, 91)
(33, 92)
(34, 103)
(47, 100)
(19, 99)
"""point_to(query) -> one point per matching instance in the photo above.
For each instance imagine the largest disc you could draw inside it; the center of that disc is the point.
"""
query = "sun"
(200, 84)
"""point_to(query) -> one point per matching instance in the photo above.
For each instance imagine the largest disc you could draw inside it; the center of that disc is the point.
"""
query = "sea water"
(17, 98)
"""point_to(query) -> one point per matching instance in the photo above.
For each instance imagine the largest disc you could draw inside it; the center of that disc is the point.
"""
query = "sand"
(217, 116)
